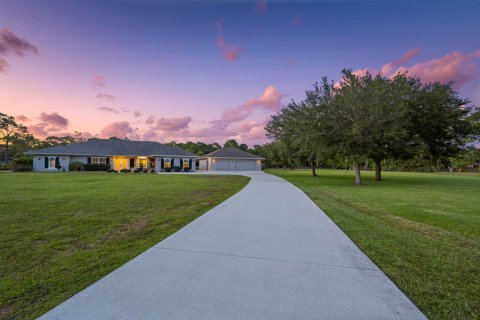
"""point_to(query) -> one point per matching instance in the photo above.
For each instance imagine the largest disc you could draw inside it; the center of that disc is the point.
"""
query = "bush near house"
(167, 169)
(96, 167)
(22, 163)
(76, 166)
(124, 170)
(177, 168)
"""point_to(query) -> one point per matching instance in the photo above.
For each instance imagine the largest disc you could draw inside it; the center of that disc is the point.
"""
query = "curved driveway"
(268, 252)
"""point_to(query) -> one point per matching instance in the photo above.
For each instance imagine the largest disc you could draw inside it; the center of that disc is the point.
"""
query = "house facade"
(116, 154)
(230, 159)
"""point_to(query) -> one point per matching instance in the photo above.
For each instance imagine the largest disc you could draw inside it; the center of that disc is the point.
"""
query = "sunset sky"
(210, 71)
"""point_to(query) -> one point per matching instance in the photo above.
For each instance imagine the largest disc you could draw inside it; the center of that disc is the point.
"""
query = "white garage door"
(245, 165)
(223, 165)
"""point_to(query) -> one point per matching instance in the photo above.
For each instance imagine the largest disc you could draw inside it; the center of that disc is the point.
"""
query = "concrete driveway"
(268, 252)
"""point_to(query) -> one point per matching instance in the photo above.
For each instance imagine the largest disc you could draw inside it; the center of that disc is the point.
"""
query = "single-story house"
(116, 153)
(230, 159)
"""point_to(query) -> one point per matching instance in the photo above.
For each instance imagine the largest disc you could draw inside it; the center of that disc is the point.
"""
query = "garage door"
(223, 165)
(245, 165)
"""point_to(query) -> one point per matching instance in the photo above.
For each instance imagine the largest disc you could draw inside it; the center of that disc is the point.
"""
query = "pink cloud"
(105, 96)
(137, 113)
(3, 65)
(38, 130)
(173, 124)
(119, 129)
(150, 120)
(229, 52)
(271, 99)
(22, 118)
(98, 81)
(261, 6)
(108, 109)
(297, 19)
(54, 120)
(454, 66)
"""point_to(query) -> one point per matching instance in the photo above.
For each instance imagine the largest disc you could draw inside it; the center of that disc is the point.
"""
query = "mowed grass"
(60, 232)
(422, 230)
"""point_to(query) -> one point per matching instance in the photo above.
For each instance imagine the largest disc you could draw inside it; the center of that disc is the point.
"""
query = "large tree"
(371, 113)
(9, 129)
(304, 127)
(440, 122)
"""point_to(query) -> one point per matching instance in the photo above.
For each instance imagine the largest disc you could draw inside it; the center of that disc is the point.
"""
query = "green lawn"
(422, 230)
(59, 232)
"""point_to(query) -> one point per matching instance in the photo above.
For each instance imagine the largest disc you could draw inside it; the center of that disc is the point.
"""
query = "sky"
(213, 70)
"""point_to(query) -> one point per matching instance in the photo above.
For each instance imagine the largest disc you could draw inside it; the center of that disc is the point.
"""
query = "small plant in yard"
(177, 168)
(124, 170)
(168, 169)
(22, 164)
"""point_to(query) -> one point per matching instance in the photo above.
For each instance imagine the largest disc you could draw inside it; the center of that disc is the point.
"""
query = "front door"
(232, 165)
(132, 163)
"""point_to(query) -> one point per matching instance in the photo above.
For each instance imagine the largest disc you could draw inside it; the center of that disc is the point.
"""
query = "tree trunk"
(6, 151)
(314, 174)
(378, 170)
(356, 168)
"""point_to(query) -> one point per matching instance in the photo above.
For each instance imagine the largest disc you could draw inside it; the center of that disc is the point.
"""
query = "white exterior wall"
(217, 164)
(158, 163)
(39, 163)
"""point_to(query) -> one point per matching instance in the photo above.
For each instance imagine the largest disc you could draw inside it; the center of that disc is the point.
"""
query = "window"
(185, 164)
(167, 164)
(51, 163)
(142, 162)
(99, 160)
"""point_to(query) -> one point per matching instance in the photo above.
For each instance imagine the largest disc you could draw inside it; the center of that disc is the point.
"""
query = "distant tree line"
(400, 121)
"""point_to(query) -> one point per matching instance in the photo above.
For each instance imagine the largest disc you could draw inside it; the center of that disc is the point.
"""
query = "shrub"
(124, 170)
(168, 169)
(177, 168)
(96, 167)
(186, 169)
(76, 166)
(22, 163)
(7, 166)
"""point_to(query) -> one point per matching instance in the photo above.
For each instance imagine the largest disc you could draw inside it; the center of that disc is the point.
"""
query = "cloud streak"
(108, 109)
(106, 97)
(98, 81)
(229, 52)
(10, 43)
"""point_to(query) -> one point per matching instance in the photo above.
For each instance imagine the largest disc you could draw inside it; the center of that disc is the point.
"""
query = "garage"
(230, 159)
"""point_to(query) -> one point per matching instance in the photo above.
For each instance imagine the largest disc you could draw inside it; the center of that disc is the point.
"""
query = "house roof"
(231, 153)
(115, 147)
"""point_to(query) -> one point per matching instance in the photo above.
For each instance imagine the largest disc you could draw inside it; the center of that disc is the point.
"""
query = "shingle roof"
(231, 153)
(115, 147)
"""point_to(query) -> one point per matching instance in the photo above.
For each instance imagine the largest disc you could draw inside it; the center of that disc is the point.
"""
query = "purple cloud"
(108, 109)
(119, 129)
(105, 96)
(173, 124)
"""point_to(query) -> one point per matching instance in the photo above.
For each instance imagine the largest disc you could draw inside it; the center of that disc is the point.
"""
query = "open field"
(60, 232)
(422, 230)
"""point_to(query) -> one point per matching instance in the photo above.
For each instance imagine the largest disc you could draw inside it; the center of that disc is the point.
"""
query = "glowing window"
(185, 164)
(52, 163)
(167, 164)
(99, 160)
